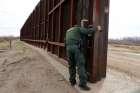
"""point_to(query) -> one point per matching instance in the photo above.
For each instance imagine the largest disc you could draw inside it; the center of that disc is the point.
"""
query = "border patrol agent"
(74, 42)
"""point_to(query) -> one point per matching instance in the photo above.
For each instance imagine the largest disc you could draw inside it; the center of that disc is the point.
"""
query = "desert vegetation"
(126, 41)
(5, 42)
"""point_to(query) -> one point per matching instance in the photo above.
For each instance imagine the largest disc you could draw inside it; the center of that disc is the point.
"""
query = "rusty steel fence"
(47, 24)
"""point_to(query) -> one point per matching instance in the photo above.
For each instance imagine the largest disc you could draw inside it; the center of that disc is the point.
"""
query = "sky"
(124, 18)
(13, 14)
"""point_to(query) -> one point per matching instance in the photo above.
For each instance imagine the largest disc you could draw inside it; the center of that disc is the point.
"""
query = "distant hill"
(126, 40)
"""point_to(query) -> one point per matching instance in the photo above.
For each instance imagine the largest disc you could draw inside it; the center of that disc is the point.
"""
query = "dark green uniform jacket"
(76, 34)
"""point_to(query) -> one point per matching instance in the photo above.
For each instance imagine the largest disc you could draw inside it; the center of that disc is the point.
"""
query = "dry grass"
(126, 48)
(4, 45)
(19, 45)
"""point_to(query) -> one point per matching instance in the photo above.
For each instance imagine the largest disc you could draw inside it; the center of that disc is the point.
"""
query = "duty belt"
(72, 42)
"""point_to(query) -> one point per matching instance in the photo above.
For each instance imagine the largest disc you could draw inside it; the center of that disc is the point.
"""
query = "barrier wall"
(47, 24)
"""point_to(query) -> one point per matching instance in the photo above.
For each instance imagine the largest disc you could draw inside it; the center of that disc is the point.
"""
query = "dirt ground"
(116, 80)
(124, 58)
(25, 71)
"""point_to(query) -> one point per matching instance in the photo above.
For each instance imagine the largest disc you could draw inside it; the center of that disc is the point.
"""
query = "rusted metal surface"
(47, 24)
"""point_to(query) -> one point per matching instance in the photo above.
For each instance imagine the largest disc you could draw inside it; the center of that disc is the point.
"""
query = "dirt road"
(125, 59)
(25, 71)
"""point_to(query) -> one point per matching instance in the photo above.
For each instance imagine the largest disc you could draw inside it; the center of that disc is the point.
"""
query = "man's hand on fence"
(99, 28)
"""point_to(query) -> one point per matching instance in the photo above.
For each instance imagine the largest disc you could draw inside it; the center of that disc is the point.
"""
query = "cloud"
(124, 18)
(13, 14)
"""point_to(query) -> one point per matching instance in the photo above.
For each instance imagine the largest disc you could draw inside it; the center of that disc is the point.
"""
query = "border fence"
(47, 24)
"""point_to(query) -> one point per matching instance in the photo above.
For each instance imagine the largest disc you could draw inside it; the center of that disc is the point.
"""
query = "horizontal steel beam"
(60, 3)
(56, 43)
(39, 41)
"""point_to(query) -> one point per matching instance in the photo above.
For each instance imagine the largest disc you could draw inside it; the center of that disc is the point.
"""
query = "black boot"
(73, 83)
(84, 87)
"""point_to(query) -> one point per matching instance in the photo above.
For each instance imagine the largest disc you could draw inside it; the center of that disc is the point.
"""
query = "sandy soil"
(125, 58)
(25, 71)
(116, 81)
